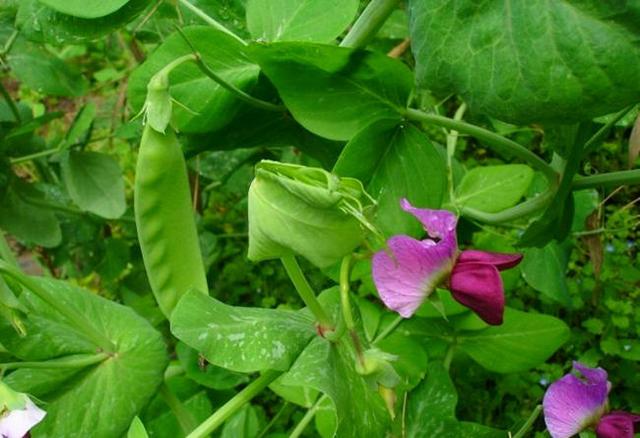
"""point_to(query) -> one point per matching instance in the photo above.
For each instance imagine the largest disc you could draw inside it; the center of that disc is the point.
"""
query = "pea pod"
(164, 219)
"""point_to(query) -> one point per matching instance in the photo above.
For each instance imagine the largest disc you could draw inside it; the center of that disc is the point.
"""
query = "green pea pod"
(164, 218)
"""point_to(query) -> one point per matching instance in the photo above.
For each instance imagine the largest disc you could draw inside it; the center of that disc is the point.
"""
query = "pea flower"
(409, 270)
(18, 414)
(573, 404)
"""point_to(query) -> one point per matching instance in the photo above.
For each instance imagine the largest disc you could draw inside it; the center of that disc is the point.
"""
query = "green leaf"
(241, 338)
(44, 72)
(137, 430)
(411, 362)
(431, 410)
(203, 105)
(329, 367)
(332, 91)
(102, 399)
(544, 270)
(523, 341)
(94, 182)
(243, 424)
(494, 188)
(204, 373)
(395, 162)
(85, 8)
(534, 61)
(40, 23)
(80, 130)
(299, 20)
(20, 216)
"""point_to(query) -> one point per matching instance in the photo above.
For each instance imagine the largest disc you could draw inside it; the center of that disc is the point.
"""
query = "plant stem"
(233, 405)
(368, 23)
(311, 412)
(11, 103)
(210, 20)
(527, 425)
(184, 417)
(304, 290)
(621, 177)
(449, 356)
(452, 141)
(388, 329)
(496, 141)
(79, 361)
(275, 419)
(344, 292)
(516, 212)
(34, 156)
(247, 98)
(77, 319)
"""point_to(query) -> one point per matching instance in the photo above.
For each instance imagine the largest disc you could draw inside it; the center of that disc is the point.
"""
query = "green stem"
(600, 134)
(34, 156)
(452, 142)
(247, 98)
(368, 23)
(521, 210)
(388, 329)
(175, 63)
(77, 319)
(304, 290)
(621, 177)
(78, 361)
(11, 103)
(449, 356)
(499, 143)
(5, 251)
(527, 425)
(12, 39)
(274, 420)
(235, 404)
(184, 417)
(311, 412)
(211, 21)
(345, 268)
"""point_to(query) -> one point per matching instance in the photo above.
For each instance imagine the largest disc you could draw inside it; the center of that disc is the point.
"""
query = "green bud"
(307, 211)
(377, 364)
(158, 106)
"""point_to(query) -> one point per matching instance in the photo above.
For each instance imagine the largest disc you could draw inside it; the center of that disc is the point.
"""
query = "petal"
(572, 404)
(479, 287)
(618, 425)
(438, 223)
(18, 422)
(498, 259)
(412, 270)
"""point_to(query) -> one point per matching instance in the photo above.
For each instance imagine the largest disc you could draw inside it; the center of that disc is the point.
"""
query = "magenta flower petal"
(571, 404)
(500, 260)
(618, 425)
(438, 223)
(478, 286)
(410, 270)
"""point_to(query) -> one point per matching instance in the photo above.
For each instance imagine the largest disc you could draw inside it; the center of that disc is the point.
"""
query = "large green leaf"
(544, 270)
(85, 8)
(494, 188)
(431, 410)
(101, 399)
(523, 341)
(203, 104)
(396, 161)
(332, 91)
(299, 20)
(525, 61)
(41, 23)
(241, 338)
(94, 182)
(44, 72)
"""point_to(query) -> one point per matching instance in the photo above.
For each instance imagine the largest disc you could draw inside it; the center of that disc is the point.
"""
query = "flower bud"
(307, 211)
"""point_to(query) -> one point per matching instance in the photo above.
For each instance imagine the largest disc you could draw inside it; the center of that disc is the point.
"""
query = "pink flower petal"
(478, 286)
(438, 223)
(618, 425)
(412, 270)
(18, 422)
(500, 260)
(572, 404)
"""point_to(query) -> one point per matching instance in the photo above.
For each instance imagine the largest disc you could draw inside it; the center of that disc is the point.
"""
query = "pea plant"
(267, 218)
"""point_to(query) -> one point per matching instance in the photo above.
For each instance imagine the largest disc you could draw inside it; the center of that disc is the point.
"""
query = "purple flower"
(408, 271)
(18, 414)
(575, 403)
